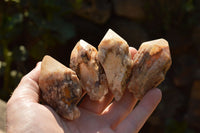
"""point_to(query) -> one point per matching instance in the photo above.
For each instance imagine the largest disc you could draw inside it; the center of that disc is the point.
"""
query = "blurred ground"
(31, 29)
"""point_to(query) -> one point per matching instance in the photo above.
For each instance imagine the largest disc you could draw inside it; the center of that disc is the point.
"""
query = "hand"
(26, 114)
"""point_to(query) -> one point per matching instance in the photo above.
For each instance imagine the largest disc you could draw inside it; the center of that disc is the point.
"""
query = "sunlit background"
(30, 29)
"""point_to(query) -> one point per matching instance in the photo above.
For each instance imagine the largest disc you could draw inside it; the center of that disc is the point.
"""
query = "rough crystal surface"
(84, 62)
(60, 88)
(116, 60)
(150, 65)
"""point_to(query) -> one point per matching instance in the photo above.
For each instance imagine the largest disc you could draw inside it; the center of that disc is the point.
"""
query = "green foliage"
(27, 29)
(189, 5)
(173, 126)
(170, 13)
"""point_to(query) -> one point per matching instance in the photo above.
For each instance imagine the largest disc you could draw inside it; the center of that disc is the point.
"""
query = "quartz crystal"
(150, 65)
(90, 72)
(114, 56)
(60, 88)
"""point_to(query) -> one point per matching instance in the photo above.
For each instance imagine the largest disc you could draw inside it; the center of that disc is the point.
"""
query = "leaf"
(189, 6)
(2, 67)
(63, 29)
(12, 27)
(174, 126)
(20, 53)
(14, 20)
(38, 50)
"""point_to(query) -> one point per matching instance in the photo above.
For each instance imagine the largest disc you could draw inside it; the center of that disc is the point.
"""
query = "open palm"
(25, 114)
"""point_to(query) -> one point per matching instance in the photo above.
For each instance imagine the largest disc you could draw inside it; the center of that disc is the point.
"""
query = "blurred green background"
(30, 29)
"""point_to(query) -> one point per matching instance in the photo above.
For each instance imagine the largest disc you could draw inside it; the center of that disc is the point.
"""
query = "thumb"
(28, 88)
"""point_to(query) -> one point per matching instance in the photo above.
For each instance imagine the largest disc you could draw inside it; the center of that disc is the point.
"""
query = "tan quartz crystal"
(150, 65)
(113, 54)
(92, 77)
(60, 88)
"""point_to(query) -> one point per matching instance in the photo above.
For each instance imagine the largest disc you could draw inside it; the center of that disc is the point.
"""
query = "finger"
(137, 118)
(28, 88)
(132, 51)
(118, 110)
(96, 106)
(35, 73)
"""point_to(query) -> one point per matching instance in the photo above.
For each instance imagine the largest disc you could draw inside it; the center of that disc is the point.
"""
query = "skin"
(25, 114)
